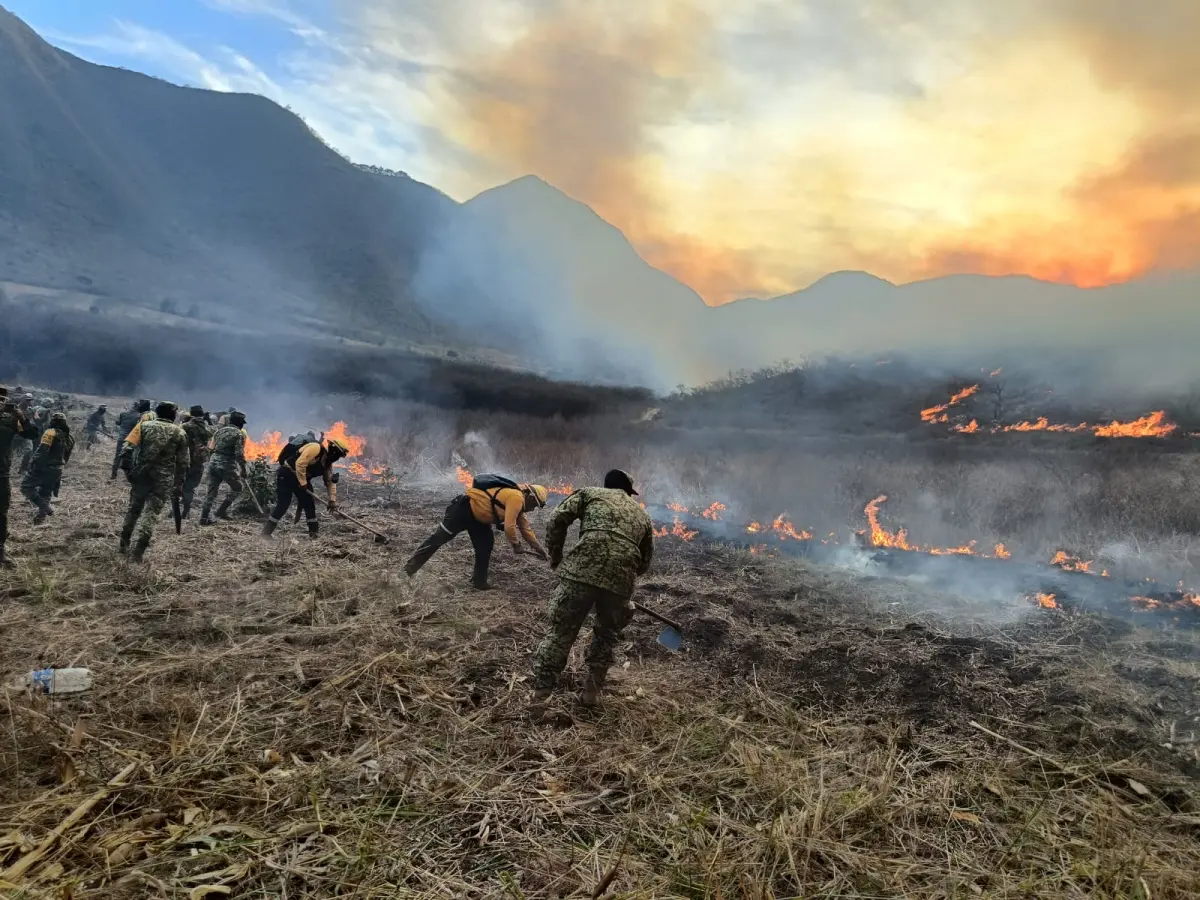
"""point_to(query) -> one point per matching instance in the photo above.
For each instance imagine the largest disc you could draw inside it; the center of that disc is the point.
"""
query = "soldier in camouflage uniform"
(23, 446)
(125, 422)
(616, 544)
(226, 465)
(44, 476)
(39, 417)
(199, 435)
(12, 427)
(155, 457)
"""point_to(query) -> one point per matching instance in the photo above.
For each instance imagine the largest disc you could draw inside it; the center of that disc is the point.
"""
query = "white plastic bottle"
(59, 681)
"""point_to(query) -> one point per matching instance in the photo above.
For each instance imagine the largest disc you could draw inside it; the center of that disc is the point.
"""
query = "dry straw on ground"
(298, 721)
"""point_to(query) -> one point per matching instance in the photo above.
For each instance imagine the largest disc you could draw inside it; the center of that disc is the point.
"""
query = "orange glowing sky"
(749, 147)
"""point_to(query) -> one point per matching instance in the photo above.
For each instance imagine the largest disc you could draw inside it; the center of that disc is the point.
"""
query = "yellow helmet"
(335, 444)
(540, 492)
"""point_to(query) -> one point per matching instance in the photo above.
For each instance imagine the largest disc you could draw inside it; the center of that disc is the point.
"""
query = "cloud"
(751, 146)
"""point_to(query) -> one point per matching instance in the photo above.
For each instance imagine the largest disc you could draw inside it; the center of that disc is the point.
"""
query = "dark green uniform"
(199, 434)
(616, 544)
(12, 427)
(226, 465)
(42, 479)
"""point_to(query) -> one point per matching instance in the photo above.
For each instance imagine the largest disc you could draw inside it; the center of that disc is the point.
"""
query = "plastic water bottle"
(59, 681)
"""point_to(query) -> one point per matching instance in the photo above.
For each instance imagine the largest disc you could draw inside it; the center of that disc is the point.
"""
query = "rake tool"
(670, 637)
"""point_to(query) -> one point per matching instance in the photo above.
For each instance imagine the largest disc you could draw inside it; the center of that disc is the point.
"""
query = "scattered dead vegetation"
(293, 720)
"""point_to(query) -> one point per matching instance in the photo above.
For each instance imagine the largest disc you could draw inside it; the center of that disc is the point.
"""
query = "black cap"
(196, 410)
(620, 480)
(166, 410)
(142, 406)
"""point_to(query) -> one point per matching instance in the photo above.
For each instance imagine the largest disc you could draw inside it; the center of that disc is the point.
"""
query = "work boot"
(269, 527)
(223, 510)
(592, 686)
(139, 550)
(313, 527)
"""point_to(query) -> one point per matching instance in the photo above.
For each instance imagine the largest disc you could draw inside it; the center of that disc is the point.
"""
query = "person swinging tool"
(300, 461)
(492, 500)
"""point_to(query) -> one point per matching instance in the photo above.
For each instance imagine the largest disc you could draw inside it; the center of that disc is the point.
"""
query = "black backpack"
(492, 485)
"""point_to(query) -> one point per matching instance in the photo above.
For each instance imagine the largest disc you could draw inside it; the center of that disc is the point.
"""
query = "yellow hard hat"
(334, 443)
(540, 492)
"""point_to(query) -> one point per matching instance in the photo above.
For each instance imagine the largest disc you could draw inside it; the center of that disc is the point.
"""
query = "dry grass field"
(298, 720)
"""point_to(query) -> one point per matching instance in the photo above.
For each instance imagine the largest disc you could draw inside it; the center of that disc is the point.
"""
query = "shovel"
(670, 637)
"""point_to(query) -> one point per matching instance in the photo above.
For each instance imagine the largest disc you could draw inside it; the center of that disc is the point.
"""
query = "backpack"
(492, 485)
(291, 450)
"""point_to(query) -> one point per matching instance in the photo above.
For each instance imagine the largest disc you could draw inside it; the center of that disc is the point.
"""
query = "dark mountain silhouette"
(174, 196)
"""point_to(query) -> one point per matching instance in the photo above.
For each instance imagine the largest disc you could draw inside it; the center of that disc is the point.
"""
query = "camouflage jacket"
(95, 422)
(159, 452)
(616, 539)
(12, 426)
(230, 443)
(53, 450)
(198, 435)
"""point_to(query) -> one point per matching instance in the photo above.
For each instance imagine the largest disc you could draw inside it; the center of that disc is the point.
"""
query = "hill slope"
(131, 186)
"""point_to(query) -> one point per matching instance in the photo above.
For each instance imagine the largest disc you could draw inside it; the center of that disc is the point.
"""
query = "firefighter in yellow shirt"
(300, 461)
(492, 501)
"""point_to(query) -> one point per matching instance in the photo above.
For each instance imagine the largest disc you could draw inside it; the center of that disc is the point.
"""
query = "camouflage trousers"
(220, 472)
(569, 607)
(23, 451)
(191, 481)
(147, 498)
(39, 486)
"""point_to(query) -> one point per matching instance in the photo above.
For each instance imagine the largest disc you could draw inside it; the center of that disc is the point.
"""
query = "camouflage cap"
(166, 409)
(58, 419)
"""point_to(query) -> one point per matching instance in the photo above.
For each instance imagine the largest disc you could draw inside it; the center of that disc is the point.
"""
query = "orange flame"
(1069, 563)
(1045, 601)
(967, 549)
(565, 489)
(1153, 425)
(354, 444)
(967, 429)
(267, 448)
(464, 476)
(880, 536)
(677, 507)
(755, 528)
(937, 413)
(1001, 552)
(782, 527)
(713, 513)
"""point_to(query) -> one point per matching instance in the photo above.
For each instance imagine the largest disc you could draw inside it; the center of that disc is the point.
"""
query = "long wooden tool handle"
(340, 514)
(652, 614)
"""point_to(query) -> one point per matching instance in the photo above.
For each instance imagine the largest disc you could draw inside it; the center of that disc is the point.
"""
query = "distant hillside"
(544, 264)
(169, 196)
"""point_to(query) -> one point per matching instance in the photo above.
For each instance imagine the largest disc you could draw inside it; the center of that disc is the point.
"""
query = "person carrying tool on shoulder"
(300, 461)
(616, 545)
(226, 465)
(492, 501)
